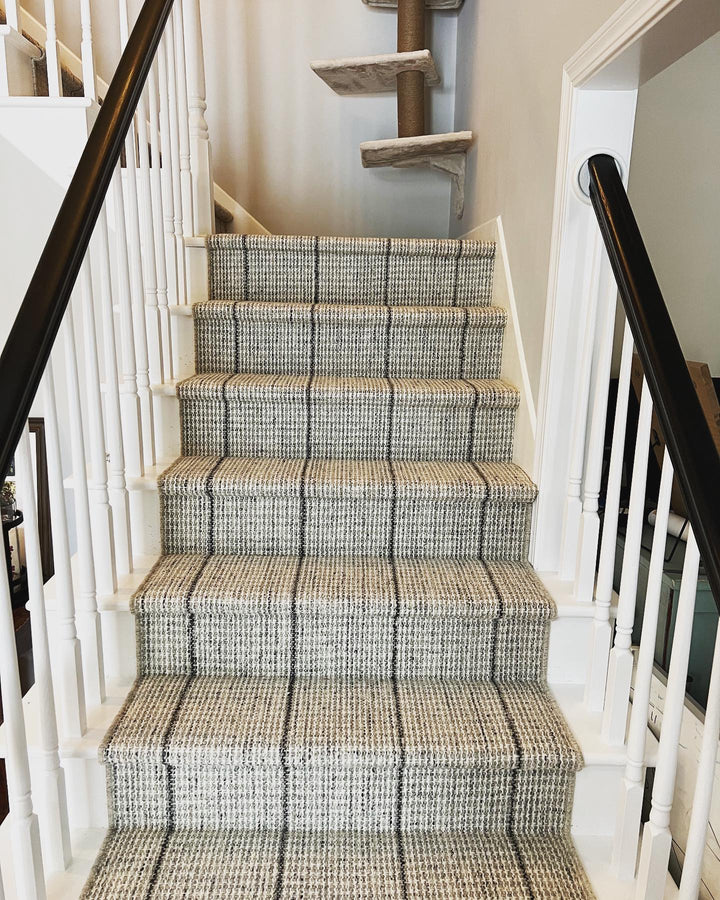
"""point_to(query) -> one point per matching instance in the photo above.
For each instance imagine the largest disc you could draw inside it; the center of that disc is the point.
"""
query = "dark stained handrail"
(33, 334)
(690, 443)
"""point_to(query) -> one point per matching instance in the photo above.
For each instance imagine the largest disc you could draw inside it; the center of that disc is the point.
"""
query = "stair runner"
(342, 650)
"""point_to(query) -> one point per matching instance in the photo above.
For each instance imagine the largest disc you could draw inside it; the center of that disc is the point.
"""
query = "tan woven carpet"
(342, 652)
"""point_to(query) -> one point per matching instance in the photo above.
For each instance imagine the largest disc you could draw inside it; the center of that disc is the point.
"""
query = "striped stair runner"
(342, 651)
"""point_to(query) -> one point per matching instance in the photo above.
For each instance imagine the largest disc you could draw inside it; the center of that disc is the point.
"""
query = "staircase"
(342, 649)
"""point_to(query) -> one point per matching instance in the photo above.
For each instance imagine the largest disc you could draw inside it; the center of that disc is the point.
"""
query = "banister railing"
(111, 271)
(685, 428)
(602, 554)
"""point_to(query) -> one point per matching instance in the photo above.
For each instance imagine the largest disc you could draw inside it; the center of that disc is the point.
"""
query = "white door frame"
(599, 92)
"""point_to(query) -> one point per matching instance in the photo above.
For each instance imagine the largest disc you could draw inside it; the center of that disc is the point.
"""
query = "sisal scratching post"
(411, 85)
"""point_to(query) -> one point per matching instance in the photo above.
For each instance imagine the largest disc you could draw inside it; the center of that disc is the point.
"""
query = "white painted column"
(158, 202)
(174, 158)
(119, 500)
(657, 839)
(627, 831)
(186, 189)
(573, 501)
(137, 272)
(101, 516)
(590, 521)
(54, 75)
(12, 14)
(697, 835)
(616, 710)
(598, 664)
(168, 190)
(131, 404)
(52, 798)
(88, 617)
(69, 667)
(24, 827)
(200, 150)
(86, 51)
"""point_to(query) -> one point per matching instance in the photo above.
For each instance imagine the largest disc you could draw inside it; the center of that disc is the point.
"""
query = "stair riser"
(340, 347)
(347, 429)
(425, 647)
(329, 796)
(346, 526)
(341, 270)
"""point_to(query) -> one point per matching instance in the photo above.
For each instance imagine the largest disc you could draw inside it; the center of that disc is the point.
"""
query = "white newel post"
(697, 835)
(117, 484)
(69, 668)
(86, 51)
(200, 150)
(573, 503)
(598, 664)
(54, 75)
(101, 515)
(627, 831)
(616, 710)
(25, 830)
(88, 617)
(52, 798)
(657, 839)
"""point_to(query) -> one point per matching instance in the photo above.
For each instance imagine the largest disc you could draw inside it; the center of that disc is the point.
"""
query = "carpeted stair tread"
(260, 615)
(230, 722)
(388, 271)
(268, 585)
(279, 336)
(323, 417)
(347, 865)
(334, 479)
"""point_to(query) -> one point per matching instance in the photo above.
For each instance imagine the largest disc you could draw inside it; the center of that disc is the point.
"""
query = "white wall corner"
(243, 222)
(514, 364)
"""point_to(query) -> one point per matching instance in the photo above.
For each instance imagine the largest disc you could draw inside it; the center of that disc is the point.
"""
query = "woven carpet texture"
(342, 651)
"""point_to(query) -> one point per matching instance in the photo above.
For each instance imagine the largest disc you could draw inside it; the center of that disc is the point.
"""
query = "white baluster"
(88, 617)
(573, 502)
(168, 191)
(12, 14)
(598, 664)
(137, 271)
(131, 405)
(54, 75)
(119, 500)
(25, 831)
(152, 313)
(175, 164)
(590, 521)
(627, 831)
(616, 709)
(87, 52)
(183, 120)
(657, 840)
(69, 668)
(200, 150)
(101, 515)
(697, 835)
(52, 797)
(158, 203)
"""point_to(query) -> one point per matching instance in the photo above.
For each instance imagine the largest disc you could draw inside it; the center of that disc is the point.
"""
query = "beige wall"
(675, 191)
(285, 146)
(509, 74)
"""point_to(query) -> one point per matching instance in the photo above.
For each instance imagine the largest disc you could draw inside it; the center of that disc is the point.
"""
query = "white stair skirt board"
(374, 74)
(429, 4)
(436, 151)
